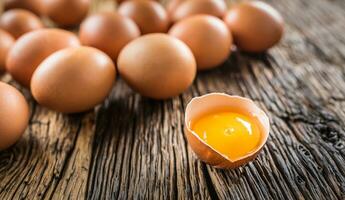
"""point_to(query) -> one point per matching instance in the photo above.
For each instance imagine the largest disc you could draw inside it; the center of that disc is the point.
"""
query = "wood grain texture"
(132, 147)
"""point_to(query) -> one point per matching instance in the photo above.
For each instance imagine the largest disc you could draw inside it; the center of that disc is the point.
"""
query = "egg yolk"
(232, 134)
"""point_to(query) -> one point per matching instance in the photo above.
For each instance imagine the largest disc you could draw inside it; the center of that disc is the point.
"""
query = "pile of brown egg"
(157, 50)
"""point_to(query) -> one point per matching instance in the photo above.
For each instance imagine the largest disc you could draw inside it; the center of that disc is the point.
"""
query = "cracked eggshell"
(188, 8)
(212, 102)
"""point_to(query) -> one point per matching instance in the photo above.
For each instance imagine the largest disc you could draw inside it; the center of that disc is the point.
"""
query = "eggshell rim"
(262, 117)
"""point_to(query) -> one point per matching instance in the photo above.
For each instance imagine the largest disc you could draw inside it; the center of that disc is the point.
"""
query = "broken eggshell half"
(213, 102)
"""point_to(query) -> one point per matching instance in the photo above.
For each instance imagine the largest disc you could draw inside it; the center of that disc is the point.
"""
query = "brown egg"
(34, 6)
(6, 42)
(32, 48)
(255, 25)
(73, 80)
(19, 21)
(66, 12)
(14, 115)
(172, 5)
(157, 66)
(149, 15)
(208, 37)
(215, 102)
(192, 7)
(108, 32)
(120, 1)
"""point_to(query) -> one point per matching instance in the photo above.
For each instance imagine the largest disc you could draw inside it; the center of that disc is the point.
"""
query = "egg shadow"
(17, 156)
(235, 65)
(229, 66)
(265, 57)
(10, 155)
(221, 77)
(36, 145)
(112, 113)
(126, 114)
(126, 110)
(115, 115)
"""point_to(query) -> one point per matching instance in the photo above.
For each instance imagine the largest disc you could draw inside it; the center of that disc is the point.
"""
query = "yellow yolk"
(231, 134)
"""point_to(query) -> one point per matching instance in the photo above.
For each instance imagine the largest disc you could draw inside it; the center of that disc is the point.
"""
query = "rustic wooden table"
(132, 147)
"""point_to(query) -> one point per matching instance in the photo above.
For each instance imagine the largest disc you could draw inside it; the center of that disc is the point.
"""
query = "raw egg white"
(149, 15)
(73, 80)
(18, 22)
(32, 48)
(157, 66)
(188, 8)
(109, 32)
(6, 42)
(14, 115)
(255, 25)
(208, 37)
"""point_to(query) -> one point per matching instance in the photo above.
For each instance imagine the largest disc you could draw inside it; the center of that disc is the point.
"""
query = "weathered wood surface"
(134, 148)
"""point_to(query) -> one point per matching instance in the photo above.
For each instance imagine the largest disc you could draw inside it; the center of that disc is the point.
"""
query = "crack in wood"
(134, 148)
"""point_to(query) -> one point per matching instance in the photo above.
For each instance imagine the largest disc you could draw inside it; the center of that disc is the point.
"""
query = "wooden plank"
(299, 82)
(52, 158)
(141, 151)
(132, 147)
